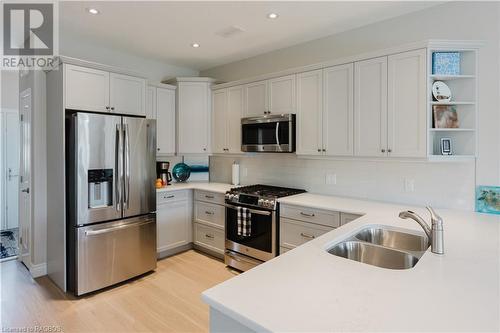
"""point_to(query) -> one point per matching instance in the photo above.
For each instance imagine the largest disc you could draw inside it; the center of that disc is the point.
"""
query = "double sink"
(383, 247)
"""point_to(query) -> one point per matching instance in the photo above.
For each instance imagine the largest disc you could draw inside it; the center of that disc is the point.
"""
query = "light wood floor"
(167, 300)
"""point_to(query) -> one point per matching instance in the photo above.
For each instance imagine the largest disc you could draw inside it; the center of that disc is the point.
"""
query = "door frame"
(3, 164)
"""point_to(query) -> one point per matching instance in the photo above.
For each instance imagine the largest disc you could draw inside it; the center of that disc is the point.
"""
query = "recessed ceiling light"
(93, 11)
(272, 16)
(195, 45)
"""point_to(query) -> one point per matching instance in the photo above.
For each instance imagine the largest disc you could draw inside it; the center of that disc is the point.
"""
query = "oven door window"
(261, 233)
(265, 133)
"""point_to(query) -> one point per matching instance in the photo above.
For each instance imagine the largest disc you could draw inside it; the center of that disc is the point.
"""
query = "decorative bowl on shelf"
(181, 172)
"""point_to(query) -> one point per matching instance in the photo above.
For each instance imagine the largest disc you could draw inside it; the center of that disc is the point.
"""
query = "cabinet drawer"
(213, 197)
(323, 217)
(346, 217)
(294, 233)
(169, 196)
(209, 237)
(209, 213)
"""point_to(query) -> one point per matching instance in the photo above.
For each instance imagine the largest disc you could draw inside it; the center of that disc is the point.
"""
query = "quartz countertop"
(309, 290)
(206, 186)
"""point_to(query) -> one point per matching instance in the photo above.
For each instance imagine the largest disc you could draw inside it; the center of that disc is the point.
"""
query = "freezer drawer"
(112, 252)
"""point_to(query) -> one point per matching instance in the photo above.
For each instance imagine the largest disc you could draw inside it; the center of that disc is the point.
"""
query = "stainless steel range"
(260, 208)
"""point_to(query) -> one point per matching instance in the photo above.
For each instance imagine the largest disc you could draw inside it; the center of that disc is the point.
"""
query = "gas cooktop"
(259, 195)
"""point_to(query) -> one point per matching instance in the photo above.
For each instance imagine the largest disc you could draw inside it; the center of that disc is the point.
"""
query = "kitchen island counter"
(309, 290)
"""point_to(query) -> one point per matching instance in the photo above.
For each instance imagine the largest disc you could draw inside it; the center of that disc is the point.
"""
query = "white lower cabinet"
(209, 238)
(295, 233)
(173, 220)
(209, 221)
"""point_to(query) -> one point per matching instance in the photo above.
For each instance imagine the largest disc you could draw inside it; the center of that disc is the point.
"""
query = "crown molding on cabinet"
(190, 79)
(432, 43)
(161, 85)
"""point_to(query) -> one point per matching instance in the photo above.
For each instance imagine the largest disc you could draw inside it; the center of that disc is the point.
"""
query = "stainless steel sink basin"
(374, 255)
(393, 239)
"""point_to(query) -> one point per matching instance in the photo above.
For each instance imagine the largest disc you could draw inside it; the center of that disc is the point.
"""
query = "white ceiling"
(164, 30)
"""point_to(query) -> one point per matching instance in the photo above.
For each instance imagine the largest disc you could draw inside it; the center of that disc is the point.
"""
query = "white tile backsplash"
(444, 185)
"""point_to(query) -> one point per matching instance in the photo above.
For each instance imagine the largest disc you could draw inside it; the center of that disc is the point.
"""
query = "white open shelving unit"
(464, 97)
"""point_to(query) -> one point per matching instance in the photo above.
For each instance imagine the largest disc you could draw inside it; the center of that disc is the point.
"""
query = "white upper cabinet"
(256, 99)
(227, 113)
(270, 96)
(282, 94)
(165, 121)
(193, 116)
(309, 113)
(91, 89)
(151, 102)
(406, 121)
(127, 94)
(338, 110)
(370, 107)
(219, 116)
(86, 89)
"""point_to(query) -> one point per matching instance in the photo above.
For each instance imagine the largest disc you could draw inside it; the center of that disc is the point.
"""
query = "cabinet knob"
(107, 107)
(204, 149)
(112, 108)
(324, 150)
(389, 150)
(319, 150)
(383, 150)
(158, 149)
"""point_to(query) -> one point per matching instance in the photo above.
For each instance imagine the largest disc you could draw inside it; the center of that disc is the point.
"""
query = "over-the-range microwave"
(271, 133)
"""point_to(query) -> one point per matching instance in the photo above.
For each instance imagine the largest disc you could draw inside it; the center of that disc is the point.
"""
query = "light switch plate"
(331, 179)
(409, 185)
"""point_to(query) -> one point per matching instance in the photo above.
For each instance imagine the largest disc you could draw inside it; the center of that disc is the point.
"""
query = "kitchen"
(317, 157)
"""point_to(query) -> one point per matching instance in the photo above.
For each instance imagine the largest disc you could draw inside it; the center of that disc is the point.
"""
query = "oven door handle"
(278, 134)
(253, 211)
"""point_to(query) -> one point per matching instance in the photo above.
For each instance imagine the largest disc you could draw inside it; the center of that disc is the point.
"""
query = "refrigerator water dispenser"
(100, 183)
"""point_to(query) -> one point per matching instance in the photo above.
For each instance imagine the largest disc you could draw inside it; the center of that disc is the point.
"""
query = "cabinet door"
(256, 99)
(370, 107)
(406, 122)
(234, 113)
(338, 110)
(219, 121)
(151, 103)
(127, 94)
(86, 89)
(309, 112)
(282, 94)
(193, 117)
(173, 225)
(165, 121)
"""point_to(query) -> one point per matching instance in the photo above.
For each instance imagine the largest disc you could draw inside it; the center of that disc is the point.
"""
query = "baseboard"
(38, 270)
(171, 252)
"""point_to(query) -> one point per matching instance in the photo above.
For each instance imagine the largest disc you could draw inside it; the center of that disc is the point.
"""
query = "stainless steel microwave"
(271, 133)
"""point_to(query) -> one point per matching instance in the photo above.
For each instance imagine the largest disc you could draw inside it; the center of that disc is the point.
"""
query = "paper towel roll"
(236, 174)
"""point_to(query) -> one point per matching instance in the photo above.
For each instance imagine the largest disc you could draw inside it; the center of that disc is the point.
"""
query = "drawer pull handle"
(305, 214)
(209, 236)
(209, 213)
(209, 196)
(307, 235)
(170, 196)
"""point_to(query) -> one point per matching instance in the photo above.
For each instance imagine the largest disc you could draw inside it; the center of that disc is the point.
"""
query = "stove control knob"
(271, 203)
(261, 202)
(227, 195)
(236, 197)
(267, 203)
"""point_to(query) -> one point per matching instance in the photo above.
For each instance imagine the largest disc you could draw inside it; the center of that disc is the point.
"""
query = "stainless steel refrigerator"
(111, 199)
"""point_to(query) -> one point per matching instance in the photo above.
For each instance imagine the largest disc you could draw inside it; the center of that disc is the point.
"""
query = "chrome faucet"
(434, 235)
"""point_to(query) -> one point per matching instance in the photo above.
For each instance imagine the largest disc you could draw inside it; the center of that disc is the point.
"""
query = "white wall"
(456, 20)
(154, 70)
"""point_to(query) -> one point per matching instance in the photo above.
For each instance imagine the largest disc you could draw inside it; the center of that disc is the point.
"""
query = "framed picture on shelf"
(446, 148)
(445, 116)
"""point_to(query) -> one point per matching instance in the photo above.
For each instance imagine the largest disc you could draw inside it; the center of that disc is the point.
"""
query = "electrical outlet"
(331, 179)
(409, 185)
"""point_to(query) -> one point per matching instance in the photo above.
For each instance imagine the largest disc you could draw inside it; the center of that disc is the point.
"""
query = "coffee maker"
(163, 173)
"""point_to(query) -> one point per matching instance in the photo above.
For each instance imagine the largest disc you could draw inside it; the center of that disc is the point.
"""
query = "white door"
(151, 102)
(193, 113)
(173, 225)
(127, 94)
(338, 110)
(370, 107)
(256, 99)
(282, 94)
(219, 120)
(11, 147)
(234, 113)
(406, 118)
(86, 89)
(165, 121)
(25, 111)
(309, 113)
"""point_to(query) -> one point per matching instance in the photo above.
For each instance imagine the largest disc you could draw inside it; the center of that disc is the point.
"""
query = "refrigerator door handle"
(118, 167)
(127, 167)
(117, 227)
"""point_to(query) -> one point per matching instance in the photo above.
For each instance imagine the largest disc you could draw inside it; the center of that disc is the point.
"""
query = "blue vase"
(181, 172)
